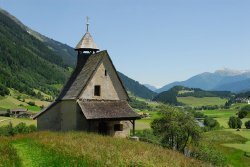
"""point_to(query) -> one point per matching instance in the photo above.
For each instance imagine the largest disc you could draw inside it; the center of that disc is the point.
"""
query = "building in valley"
(94, 98)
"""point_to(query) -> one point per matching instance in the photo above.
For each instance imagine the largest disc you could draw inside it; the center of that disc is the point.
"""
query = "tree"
(246, 108)
(234, 122)
(176, 128)
(242, 114)
(211, 123)
(3, 90)
(247, 124)
(244, 111)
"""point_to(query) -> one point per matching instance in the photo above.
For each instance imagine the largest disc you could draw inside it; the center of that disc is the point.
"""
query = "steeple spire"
(87, 43)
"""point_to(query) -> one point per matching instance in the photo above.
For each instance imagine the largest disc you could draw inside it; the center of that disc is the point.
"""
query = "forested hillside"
(171, 95)
(136, 88)
(31, 61)
(26, 62)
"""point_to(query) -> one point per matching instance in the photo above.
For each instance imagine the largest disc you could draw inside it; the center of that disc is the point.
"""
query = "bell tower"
(86, 45)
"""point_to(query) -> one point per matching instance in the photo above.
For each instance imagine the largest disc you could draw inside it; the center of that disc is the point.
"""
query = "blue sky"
(155, 42)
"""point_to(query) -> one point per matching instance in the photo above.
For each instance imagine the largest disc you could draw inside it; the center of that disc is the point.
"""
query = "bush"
(242, 114)
(21, 128)
(197, 114)
(208, 153)
(244, 111)
(234, 122)
(31, 103)
(211, 124)
(246, 108)
(7, 130)
(147, 135)
(247, 124)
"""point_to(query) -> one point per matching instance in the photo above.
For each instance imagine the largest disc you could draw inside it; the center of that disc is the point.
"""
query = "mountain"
(153, 88)
(26, 62)
(170, 96)
(238, 86)
(136, 88)
(220, 80)
(66, 52)
(30, 61)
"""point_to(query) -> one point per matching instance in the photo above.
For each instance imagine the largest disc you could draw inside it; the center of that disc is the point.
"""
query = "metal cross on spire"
(87, 18)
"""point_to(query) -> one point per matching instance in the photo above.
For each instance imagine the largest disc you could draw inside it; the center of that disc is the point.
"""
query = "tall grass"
(8, 155)
(79, 148)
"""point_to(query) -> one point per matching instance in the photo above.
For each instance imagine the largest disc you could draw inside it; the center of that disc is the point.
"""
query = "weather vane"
(87, 18)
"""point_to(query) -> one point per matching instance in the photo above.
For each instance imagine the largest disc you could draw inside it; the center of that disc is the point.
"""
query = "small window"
(97, 91)
(118, 127)
(106, 73)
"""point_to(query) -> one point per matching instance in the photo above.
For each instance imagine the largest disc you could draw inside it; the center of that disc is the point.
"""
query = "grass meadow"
(233, 144)
(11, 101)
(204, 101)
(15, 121)
(85, 149)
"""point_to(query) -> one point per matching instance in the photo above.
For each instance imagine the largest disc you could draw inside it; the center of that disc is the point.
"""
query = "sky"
(152, 41)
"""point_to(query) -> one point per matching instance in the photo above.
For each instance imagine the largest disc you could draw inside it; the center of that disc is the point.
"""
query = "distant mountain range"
(221, 80)
(30, 61)
(151, 87)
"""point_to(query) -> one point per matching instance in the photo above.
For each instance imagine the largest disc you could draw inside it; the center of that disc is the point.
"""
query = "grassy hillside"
(20, 100)
(204, 101)
(179, 95)
(83, 149)
(233, 144)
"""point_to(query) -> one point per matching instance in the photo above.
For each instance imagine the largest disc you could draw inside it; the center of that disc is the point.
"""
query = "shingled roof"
(86, 43)
(107, 110)
(84, 71)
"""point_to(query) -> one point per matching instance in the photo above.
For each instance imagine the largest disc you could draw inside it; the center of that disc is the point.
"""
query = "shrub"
(246, 108)
(211, 124)
(247, 124)
(21, 128)
(31, 103)
(208, 153)
(197, 114)
(148, 136)
(234, 122)
(7, 130)
(242, 114)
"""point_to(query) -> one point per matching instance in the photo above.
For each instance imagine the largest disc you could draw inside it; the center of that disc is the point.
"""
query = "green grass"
(86, 149)
(8, 155)
(16, 121)
(33, 108)
(241, 146)
(11, 101)
(230, 142)
(144, 123)
(222, 115)
(196, 102)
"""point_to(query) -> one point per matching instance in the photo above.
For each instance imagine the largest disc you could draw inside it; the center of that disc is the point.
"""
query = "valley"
(34, 69)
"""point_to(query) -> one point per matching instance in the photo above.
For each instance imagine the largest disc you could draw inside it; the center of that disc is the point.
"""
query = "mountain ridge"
(215, 81)
(30, 60)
